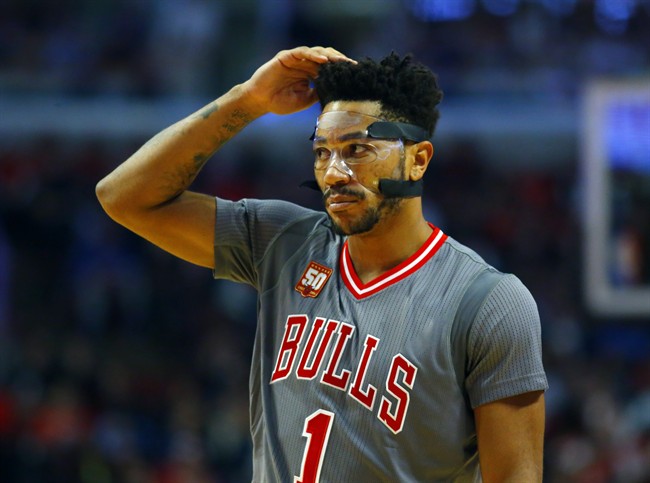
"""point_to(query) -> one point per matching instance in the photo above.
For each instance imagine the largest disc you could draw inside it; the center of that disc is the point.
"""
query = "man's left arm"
(506, 383)
(510, 434)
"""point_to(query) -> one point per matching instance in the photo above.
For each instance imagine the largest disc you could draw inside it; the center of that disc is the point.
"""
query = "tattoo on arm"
(209, 110)
(238, 120)
(175, 183)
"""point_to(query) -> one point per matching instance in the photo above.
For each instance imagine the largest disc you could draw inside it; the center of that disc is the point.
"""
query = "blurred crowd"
(156, 48)
(119, 363)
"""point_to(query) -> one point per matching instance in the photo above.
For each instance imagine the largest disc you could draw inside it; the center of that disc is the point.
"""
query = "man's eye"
(321, 153)
(358, 149)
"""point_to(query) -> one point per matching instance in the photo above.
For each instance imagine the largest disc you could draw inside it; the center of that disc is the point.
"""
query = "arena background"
(119, 363)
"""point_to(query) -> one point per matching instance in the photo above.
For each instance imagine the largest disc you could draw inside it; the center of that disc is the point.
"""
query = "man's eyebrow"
(344, 137)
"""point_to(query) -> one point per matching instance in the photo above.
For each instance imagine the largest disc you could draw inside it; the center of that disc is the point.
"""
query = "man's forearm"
(167, 164)
(530, 473)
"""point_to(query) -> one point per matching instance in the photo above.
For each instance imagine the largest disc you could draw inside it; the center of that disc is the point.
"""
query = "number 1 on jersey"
(317, 431)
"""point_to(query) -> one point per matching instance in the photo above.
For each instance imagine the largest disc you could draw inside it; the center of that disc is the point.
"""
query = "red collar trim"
(400, 272)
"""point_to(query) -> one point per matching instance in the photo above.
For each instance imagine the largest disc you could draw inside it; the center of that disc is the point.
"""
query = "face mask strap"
(393, 130)
(393, 188)
(390, 188)
(397, 130)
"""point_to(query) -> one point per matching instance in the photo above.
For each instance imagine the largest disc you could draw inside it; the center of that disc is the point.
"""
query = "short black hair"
(407, 91)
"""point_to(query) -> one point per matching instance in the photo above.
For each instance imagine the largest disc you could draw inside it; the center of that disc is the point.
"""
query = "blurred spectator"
(182, 43)
(6, 268)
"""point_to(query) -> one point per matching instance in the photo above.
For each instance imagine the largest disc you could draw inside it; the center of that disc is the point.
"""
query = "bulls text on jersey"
(399, 380)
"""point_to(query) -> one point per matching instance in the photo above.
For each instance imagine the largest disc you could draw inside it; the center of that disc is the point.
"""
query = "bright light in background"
(616, 170)
(440, 10)
(612, 15)
(627, 132)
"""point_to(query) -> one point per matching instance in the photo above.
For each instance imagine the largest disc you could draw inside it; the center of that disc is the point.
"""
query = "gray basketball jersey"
(354, 382)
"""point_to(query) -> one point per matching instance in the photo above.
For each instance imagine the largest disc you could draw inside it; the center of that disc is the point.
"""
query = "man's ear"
(422, 154)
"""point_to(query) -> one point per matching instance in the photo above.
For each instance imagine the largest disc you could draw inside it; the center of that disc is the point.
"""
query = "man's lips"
(340, 202)
(341, 198)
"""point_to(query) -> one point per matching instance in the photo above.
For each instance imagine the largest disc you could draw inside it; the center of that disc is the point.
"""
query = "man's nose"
(337, 172)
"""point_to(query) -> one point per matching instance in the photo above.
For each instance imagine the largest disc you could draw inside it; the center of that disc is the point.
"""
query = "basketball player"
(385, 350)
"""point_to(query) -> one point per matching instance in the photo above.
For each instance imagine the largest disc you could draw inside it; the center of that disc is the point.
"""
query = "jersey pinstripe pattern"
(372, 382)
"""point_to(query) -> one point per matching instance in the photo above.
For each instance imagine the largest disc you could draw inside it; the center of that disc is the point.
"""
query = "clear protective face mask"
(346, 140)
(341, 140)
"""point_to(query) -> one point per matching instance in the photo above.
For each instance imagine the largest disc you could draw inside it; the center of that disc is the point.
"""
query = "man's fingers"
(309, 59)
(305, 66)
(333, 55)
(316, 55)
(282, 84)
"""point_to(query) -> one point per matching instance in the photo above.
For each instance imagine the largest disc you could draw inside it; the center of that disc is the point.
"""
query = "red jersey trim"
(400, 272)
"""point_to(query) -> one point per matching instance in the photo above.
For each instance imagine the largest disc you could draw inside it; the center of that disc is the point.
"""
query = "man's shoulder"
(457, 265)
(271, 211)
(262, 204)
(465, 259)
(463, 254)
(286, 226)
(469, 276)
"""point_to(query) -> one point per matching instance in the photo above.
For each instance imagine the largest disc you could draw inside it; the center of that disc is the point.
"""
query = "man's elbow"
(110, 198)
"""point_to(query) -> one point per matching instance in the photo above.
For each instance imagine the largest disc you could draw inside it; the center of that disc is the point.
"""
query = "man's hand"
(282, 85)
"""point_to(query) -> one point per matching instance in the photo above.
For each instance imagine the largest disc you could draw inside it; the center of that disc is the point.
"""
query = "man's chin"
(340, 230)
(388, 207)
(359, 227)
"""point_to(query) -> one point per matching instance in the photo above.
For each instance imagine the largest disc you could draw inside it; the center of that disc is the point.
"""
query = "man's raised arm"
(148, 193)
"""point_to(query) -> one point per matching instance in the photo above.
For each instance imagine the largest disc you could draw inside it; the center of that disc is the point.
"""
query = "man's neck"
(388, 244)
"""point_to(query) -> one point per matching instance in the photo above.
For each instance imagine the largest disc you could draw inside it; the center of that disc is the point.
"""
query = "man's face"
(348, 166)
